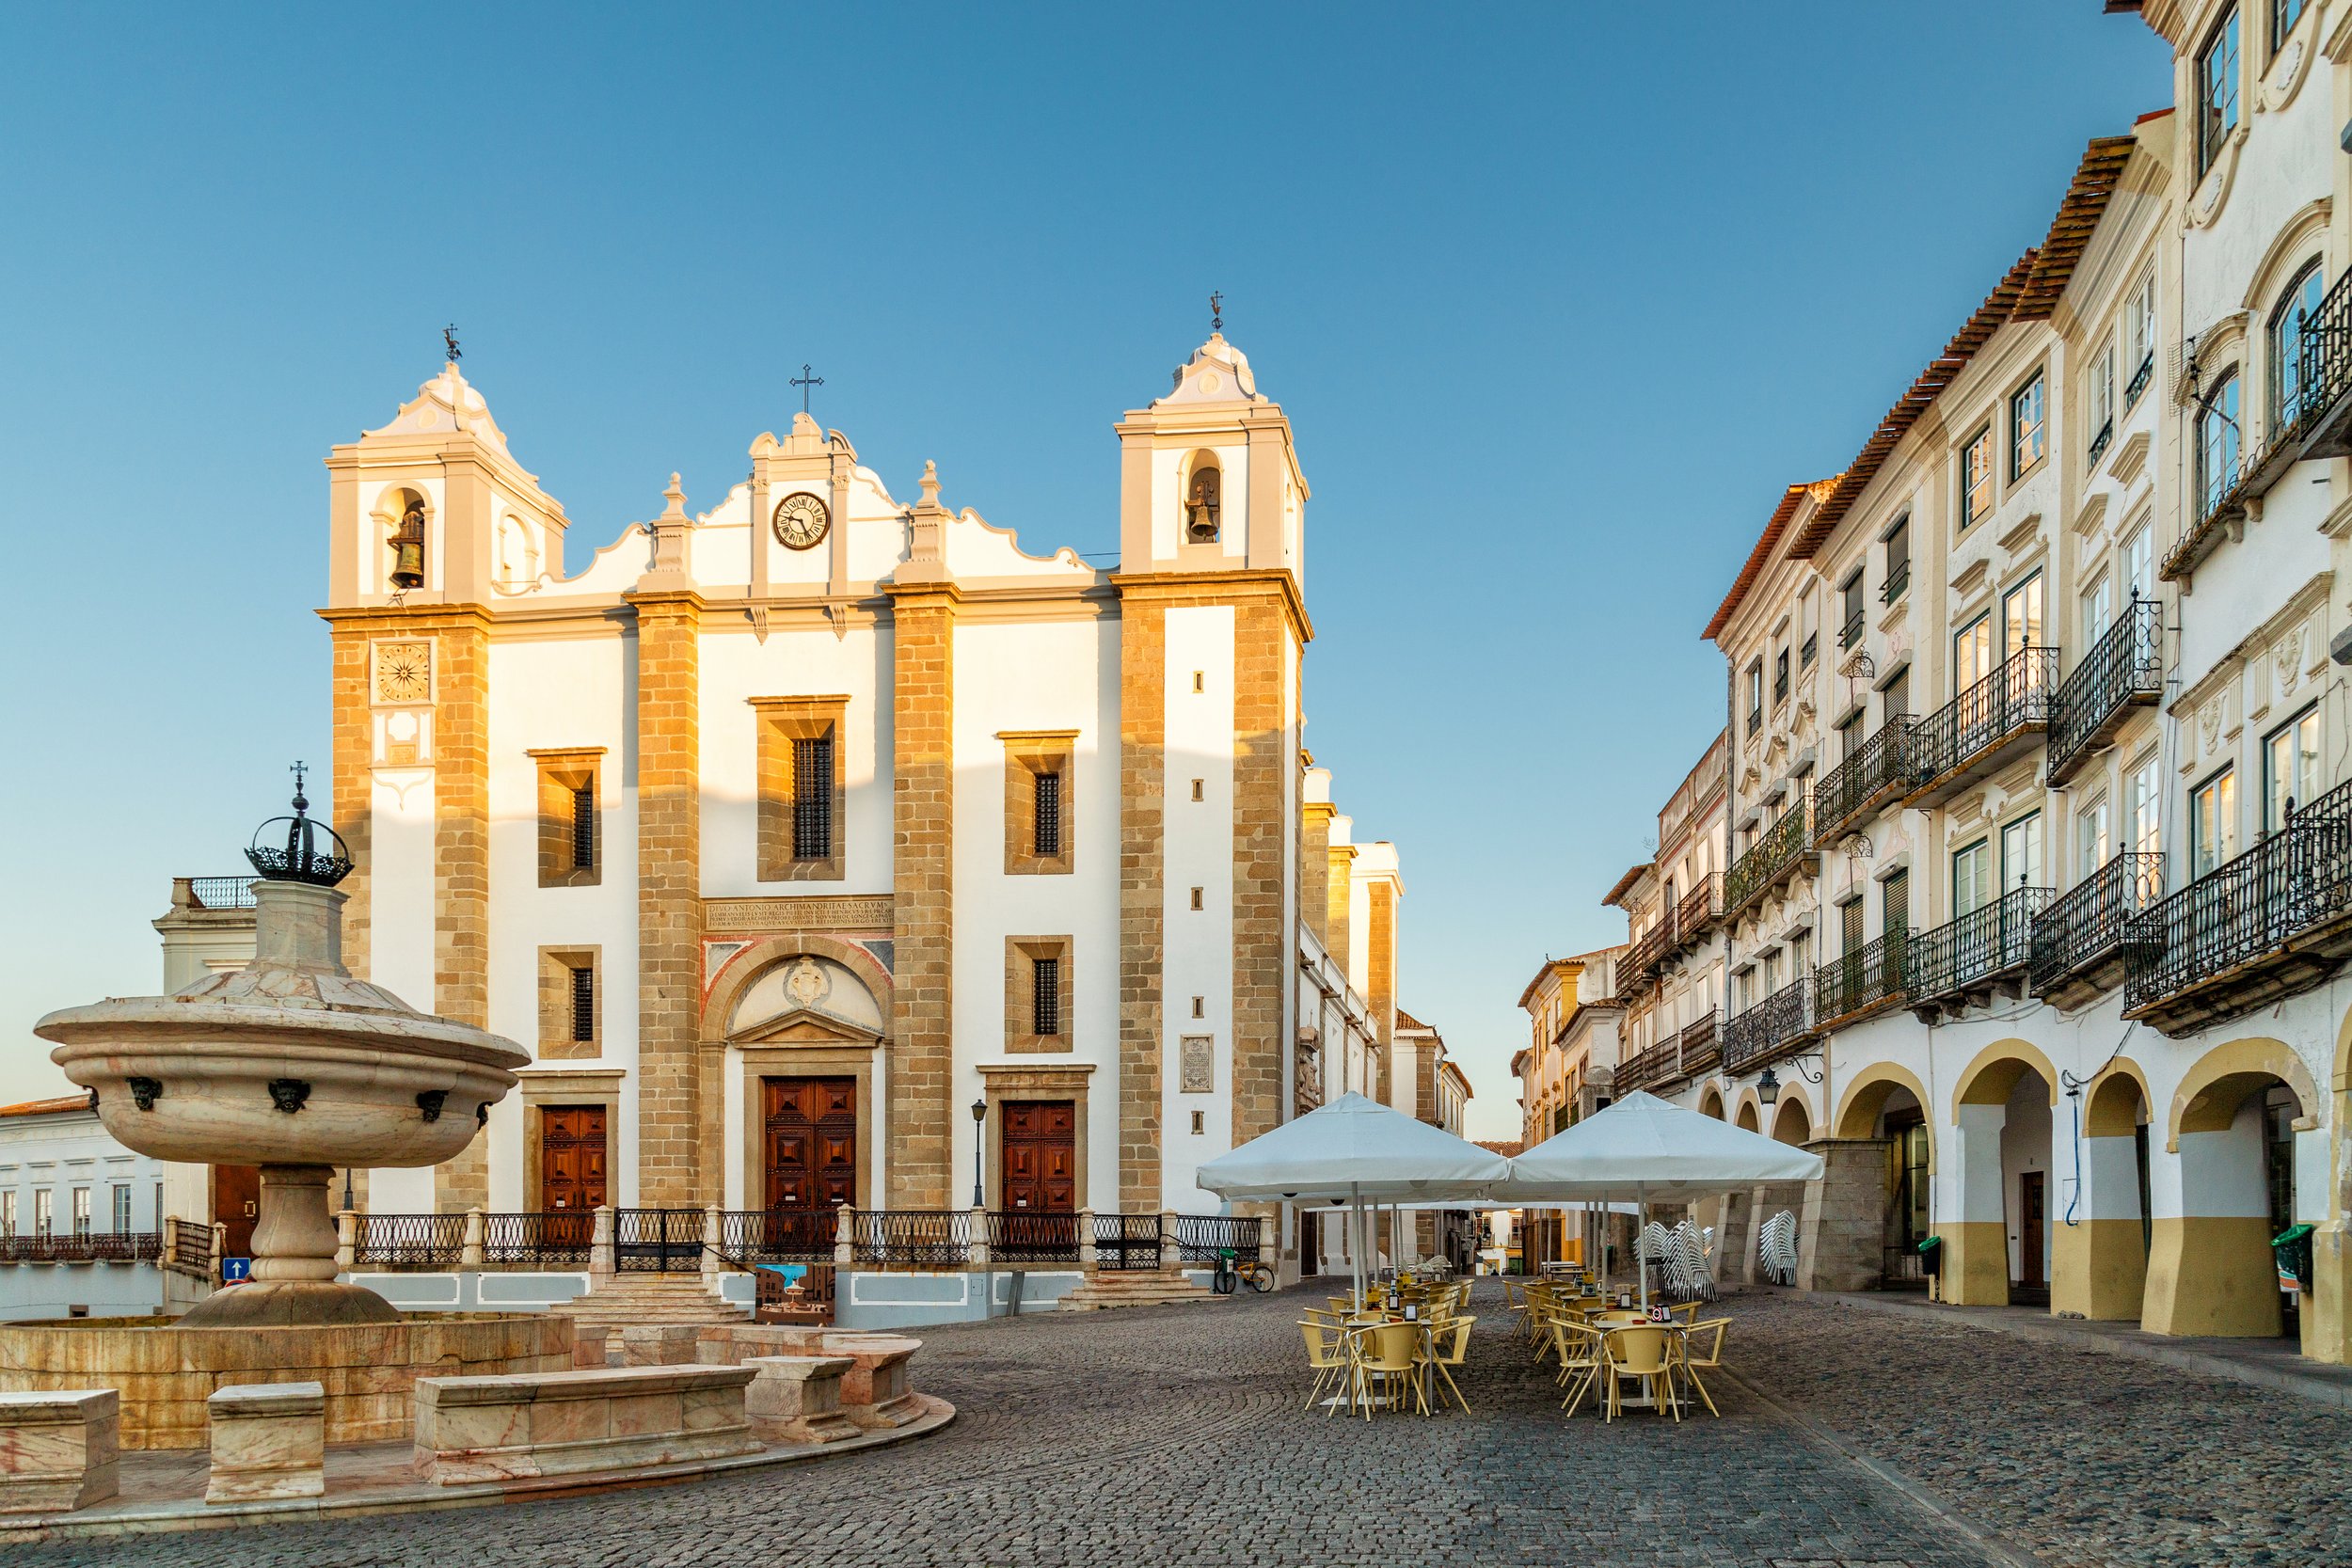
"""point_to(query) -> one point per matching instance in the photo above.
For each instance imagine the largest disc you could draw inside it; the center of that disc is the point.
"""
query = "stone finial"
(675, 511)
(930, 486)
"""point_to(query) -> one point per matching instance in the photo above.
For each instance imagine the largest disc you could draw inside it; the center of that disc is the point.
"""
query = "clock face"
(801, 520)
(403, 672)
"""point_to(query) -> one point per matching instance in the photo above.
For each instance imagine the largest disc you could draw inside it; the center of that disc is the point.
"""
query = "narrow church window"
(1199, 1007)
(583, 1003)
(1200, 1122)
(1047, 831)
(1045, 996)
(1196, 790)
(585, 825)
(1196, 898)
(812, 797)
(1199, 684)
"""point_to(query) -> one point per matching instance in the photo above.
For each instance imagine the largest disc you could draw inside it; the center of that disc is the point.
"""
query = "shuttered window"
(1047, 829)
(584, 826)
(812, 797)
(583, 1003)
(1045, 996)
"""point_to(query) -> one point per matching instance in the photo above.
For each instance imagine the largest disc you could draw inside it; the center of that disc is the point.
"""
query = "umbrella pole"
(1641, 1222)
(1356, 1219)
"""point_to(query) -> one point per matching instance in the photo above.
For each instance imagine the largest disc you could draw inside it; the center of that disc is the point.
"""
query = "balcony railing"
(1199, 1238)
(1646, 1068)
(1020, 1236)
(1861, 982)
(1898, 580)
(1977, 948)
(1768, 1030)
(409, 1241)
(658, 1240)
(1648, 953)
(1973, 734)
(1698, 912)
(2124, 669)
(2275, 920)
(1127, 1242)
(2099, 443)
(1702, 1042)
(1776, 852)
(1850, 635)
(912, 1236)
(1879, 771)
(556, 1238)
(779, 1235)
(222, 893)
(2140, 377)
(105, 1247)
(191, 1249)
(2081, 932)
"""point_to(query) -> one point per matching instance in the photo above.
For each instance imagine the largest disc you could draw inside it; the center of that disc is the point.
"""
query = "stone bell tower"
(431, 520)
(1213, 630)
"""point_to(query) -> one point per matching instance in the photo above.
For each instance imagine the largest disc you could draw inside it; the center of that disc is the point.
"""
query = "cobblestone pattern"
(2088, 1460)
(1174, 1437)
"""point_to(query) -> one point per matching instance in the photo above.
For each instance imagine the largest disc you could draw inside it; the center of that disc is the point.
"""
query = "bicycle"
(1230, 1275)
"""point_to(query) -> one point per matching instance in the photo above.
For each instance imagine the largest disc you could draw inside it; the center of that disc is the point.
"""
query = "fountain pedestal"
(293, 1264)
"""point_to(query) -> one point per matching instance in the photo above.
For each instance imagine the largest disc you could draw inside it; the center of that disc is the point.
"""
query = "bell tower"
(1213, 630)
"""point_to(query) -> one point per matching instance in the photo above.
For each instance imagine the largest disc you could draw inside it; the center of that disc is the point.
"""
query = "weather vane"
(1216, 311)
(449, 336)
(804, 381)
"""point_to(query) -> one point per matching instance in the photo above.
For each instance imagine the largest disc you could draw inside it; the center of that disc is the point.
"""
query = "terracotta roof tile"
(1773, 527)
(2078, 214)
(47, 1107)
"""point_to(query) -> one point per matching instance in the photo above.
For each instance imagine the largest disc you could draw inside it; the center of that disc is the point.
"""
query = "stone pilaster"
(1380, 983)
(461, 869)
(1263, 763)
(351, 806)
(1314, 862)
(1142, 856)
(923, 911)
(674, 1168)
(1841, 1231)
(1337, 924)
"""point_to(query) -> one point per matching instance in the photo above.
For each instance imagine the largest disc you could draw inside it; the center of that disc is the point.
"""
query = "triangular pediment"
(804, 1025)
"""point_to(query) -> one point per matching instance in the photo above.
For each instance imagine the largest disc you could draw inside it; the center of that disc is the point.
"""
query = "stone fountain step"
(627, 1299)
(1136, 1288)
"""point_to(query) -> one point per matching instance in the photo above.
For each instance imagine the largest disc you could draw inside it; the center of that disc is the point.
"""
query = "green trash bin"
(1932, 1257)
(2293, 1248)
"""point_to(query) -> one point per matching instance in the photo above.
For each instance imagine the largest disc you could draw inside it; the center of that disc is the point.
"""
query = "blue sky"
(1557, 297)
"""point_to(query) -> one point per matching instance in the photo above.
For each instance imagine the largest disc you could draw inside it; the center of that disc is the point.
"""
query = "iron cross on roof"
(804, 381)
(449, 336)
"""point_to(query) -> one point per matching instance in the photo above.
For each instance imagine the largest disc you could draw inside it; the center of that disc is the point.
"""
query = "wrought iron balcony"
(104, 1246)
(1898, 580)
(2124, 669)
(1659, 1065)
(1983, 727)
(2317, 424)
(1881, 771)
(1698, 914)
(2140, 378)
(1961, 962)
(2100, 442)
(409, 1241)
(222, 893)
(2079, 937)
(1855, 985)
(1778, 853)
(1647, 955)
(1773, 1028)
(1702, 1041)
(2274, 922)
(1850, 635)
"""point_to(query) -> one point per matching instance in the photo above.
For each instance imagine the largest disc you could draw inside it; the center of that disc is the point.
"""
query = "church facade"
(827, 846)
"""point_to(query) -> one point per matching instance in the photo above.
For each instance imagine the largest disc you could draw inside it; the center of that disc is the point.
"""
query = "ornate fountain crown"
(300, 859)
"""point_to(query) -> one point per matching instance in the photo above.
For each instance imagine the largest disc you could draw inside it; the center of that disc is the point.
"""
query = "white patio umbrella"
(1357, 1151)
(1643, 1148)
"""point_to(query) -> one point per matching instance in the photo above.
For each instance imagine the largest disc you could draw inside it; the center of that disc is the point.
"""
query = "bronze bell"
(409, 548)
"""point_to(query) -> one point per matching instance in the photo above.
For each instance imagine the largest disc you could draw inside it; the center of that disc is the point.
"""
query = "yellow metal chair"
(1327, 1353)
(1579, 1346)
(1447, 1347)
(1392, 1350)
(1644, 1350)
(1703, 1346)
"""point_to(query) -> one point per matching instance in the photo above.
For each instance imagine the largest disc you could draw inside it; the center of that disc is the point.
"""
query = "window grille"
(583, 1003)
(1048, 820)
(1045, 996)
(812, 797)
(584, 826)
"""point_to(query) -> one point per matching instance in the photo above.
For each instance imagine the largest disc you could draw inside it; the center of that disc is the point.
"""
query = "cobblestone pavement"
(1174, 1437)
(2086, 1459)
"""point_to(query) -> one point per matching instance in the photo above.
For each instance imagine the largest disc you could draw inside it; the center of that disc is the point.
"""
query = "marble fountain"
(291, 1065)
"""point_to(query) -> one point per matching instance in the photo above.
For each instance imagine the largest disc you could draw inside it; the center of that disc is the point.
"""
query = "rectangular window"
(1850, 629)
(1755, 698)
(2216, 444)
(1976, 478)
(2284, 14)
(1046, 814)
(44, 1213)
(2217, 91)
(1972, 654)
(567, 815)
(584, 1010)
(802, 825)
(81, 1214)
(2144, 827)
(1849, 737)
(1039, 784)
(2092, 845)
(812, 797)
(2298, 308)
(2021, 617)
(2289, 768)
(8, 1214)
(1972, 877)
(1812, 646)
(2213, 823)
(1850, 926)
(122, 1206)
(2138, 557)
(1045, 996)
(1898, 560)
(2020, 853)
(2101, 375)
(2027, 431)
(571, 1017)
(1780, 678)
(1896, 701)
(2140, 339)
(1895, 903)
(2098, 610)
(585, 825)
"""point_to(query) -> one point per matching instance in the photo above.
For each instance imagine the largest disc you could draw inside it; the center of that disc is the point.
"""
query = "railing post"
(714, 1238)
(845, 1236)
(346, 1240)
(600, 1246)
(1088, 1262)
(469, 1244)
(976, 1251)
(169, 1253)
(1171, 1255)
(220, 1247)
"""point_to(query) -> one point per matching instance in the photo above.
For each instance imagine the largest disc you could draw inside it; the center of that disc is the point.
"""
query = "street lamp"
(1768, 1088)
(980, 1114)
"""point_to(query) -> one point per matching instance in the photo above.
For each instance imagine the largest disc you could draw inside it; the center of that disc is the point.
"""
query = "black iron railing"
(1755, 1036)
(912, 1236)
(191, 1247)
(2013, 698)
(222, 893)
(1880, 770)
(658, 1240)
(1024, 1236)
(1774, 852)
(1850, 633)
(1127, 1241)
(1650, 952)
(409, 1241)
(558, 1238)
(1863, 979)
(2099, 442)
(1199, 1238)
(748, 1236)
(1658, 1064)
(1702, 1040)
(1897, 578)
(2139, 382)
(2124, 668)
(129, 1246)
(1699, 908)
(2088, 922)
(2298, 877)
(1991, 940)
